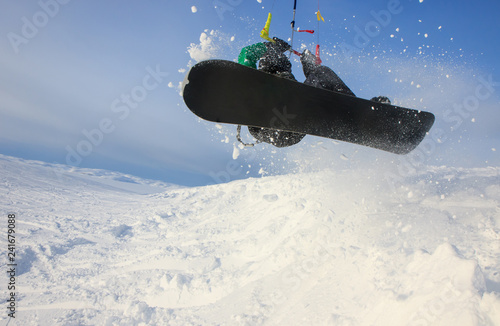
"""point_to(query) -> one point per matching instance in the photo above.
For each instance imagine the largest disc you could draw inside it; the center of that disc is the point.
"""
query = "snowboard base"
(227, 92)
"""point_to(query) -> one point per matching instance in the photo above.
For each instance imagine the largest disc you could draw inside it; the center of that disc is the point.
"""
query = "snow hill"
(325, 248)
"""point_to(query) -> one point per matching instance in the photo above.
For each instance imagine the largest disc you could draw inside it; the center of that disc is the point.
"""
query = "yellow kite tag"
(265, 31)
(319, 16)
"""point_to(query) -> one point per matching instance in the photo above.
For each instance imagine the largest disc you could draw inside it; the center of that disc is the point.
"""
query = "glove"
(281, 45)
(307, 58)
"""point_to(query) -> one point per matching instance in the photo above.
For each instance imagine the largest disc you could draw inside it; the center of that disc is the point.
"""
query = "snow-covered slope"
(323, 248)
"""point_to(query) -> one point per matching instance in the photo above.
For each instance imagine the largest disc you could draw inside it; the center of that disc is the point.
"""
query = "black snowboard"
(227, 92)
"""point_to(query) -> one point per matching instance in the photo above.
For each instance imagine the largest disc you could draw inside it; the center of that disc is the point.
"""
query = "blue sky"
(75, 73)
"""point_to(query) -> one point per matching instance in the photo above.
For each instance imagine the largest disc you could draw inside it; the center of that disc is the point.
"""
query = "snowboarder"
(271, 58)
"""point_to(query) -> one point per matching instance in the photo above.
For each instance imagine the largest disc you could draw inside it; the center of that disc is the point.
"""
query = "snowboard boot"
(278, 138)
(381, 99)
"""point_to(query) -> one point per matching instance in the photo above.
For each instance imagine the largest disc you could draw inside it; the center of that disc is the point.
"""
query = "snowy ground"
(323, 248)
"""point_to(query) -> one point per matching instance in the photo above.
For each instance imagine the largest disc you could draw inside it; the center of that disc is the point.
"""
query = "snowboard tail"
(227, 92)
